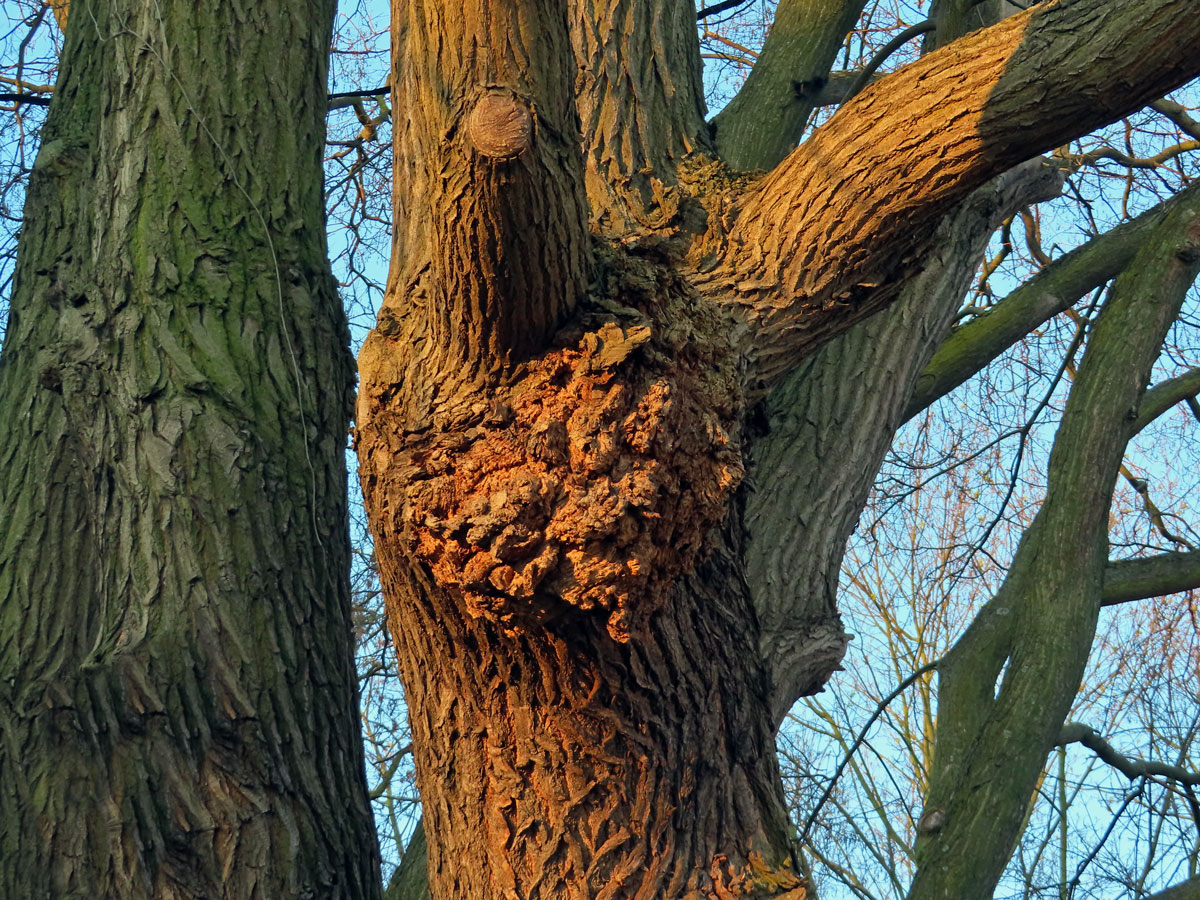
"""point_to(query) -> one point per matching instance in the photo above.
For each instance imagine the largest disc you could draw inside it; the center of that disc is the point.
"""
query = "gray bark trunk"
(177, 693)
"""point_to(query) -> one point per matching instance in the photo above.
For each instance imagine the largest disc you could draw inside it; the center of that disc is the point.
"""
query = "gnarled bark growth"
(553, 473)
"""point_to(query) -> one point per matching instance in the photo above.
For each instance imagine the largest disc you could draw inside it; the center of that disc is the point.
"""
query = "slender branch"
(24, 98)
(347, 98)
(858, 742)
(718, 8)
(864, 76)
(1074, 732)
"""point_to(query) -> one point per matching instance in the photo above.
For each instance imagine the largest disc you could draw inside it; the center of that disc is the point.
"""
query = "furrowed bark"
(586, 768)
(973, 345)
(490, 251)
(817, 413)
(178, 705)
(1008, 682)
(595, 696)
(854, 207)
(764, 122)
(830, 423)
(641, 101)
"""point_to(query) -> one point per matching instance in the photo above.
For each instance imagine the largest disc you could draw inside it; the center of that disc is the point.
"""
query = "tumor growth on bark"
(566, 387)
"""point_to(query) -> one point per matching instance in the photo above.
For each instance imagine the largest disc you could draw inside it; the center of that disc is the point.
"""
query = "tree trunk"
(177, 696)
(552, 429)
(558, 762)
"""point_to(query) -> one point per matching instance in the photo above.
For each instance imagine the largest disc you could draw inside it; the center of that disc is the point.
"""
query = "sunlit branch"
(854, 207)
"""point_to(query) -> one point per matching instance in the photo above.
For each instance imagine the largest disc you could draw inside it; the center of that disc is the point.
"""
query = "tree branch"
(1076, 733)
(1054, 289)
(828, 432)
(852, 208)
(880, 707)
(864, 76)
(1008, 682)
(764, 121)
(24, 98)
(349, 98)
(1126, 580)
(1185, 890)
(1158, 399)
(718, 8)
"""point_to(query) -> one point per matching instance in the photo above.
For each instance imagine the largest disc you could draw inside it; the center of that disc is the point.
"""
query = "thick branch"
(852, 208)
(830, 423)
(1155, 576)
(31, 99)
(490, 250)
(975, 344)
(1185, 890)
(763, 123)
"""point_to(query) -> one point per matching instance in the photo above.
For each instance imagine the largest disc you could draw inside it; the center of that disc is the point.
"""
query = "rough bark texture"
(560, 763)
(557, 504)
(490, 246)
(603, 713)
(855, 206)
(177, 697)
(641, 100)
(831, 422)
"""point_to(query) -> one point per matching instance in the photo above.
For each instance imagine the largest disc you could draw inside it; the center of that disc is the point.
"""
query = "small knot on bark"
(932, 822)
(501, 124)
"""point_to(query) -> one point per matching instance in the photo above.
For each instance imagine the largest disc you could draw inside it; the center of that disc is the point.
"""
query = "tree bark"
(553, 474)
(854, 208)
(177, 693)
(829, 425)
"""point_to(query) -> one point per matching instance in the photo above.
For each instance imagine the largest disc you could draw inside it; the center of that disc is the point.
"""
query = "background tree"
(599, 632)
(177, 700)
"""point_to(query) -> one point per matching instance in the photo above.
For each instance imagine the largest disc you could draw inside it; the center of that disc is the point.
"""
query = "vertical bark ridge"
(177, 694)
(491, 245)
(642, 112)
